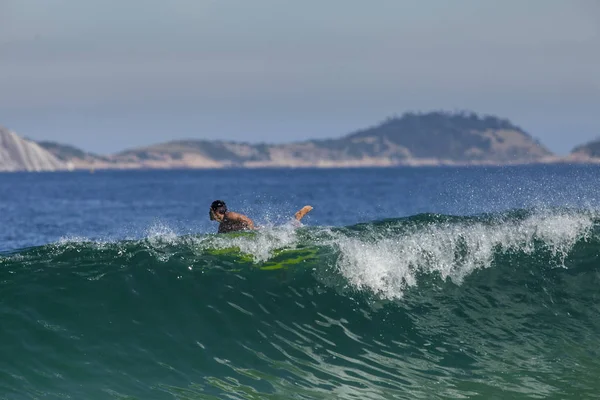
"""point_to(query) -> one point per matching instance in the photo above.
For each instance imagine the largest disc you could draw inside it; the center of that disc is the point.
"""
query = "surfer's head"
(218, 208)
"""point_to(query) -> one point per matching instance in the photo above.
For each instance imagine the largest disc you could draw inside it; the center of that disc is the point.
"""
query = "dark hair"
(219, 206)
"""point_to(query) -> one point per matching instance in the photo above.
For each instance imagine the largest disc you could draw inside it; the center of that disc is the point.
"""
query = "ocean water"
(402, 283)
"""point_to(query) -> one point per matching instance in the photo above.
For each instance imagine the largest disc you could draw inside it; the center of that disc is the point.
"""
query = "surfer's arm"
(302, 212)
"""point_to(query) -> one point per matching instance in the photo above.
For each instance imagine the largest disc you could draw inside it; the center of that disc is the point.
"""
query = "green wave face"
(493, 306)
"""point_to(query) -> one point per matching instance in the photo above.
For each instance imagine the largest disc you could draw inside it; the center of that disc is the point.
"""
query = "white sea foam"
(71, 242)
(65, 240)
(388, 265)
(384, 261)
(159, 233)
(261, 244)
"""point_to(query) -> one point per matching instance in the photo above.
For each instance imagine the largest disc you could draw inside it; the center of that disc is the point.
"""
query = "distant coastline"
(414, 140)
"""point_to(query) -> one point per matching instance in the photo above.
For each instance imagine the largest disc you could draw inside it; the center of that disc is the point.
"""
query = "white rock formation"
(18, 154)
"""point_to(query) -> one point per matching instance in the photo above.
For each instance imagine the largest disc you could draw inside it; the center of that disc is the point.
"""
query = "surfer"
(230, 221)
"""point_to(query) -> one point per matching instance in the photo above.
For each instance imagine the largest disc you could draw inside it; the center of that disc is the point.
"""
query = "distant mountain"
(587, 152)
(414, 139)
(441, 137)
(75, 157)
(63, 152)
(434, 138)
(18, 154)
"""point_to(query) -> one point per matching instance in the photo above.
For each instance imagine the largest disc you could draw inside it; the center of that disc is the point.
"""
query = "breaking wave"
(371, 311)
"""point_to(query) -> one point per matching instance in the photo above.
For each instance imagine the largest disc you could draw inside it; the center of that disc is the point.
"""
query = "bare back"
(235, 222)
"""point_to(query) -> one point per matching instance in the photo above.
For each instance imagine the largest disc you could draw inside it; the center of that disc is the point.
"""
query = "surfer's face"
(217, 215)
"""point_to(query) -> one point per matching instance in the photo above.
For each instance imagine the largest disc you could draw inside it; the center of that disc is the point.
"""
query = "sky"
(108, 75)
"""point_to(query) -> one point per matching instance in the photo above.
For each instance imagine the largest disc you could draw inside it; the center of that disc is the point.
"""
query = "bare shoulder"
(237, 217)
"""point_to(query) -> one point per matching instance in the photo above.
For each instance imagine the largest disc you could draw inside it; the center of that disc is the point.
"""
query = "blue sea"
(402, 283)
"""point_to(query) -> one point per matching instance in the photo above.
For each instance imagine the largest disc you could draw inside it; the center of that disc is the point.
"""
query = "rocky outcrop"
(18, 154)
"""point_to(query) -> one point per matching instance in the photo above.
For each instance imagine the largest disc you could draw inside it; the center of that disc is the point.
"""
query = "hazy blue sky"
(110, 74)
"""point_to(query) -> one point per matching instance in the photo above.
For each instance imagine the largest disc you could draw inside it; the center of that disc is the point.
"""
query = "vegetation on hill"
(590, 149)
(65, 152)
(458, 137)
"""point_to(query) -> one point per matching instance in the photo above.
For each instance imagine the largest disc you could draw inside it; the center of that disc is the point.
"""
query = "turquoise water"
(415, 286)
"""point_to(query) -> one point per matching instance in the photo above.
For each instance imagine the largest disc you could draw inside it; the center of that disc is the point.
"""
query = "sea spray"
(260, 244)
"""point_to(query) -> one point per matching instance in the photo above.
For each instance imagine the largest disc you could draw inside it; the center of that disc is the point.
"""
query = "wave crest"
(389, 262)
(385, 258)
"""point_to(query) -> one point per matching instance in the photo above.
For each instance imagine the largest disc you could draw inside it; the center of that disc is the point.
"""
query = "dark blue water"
(37, 209)
(402, 283)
